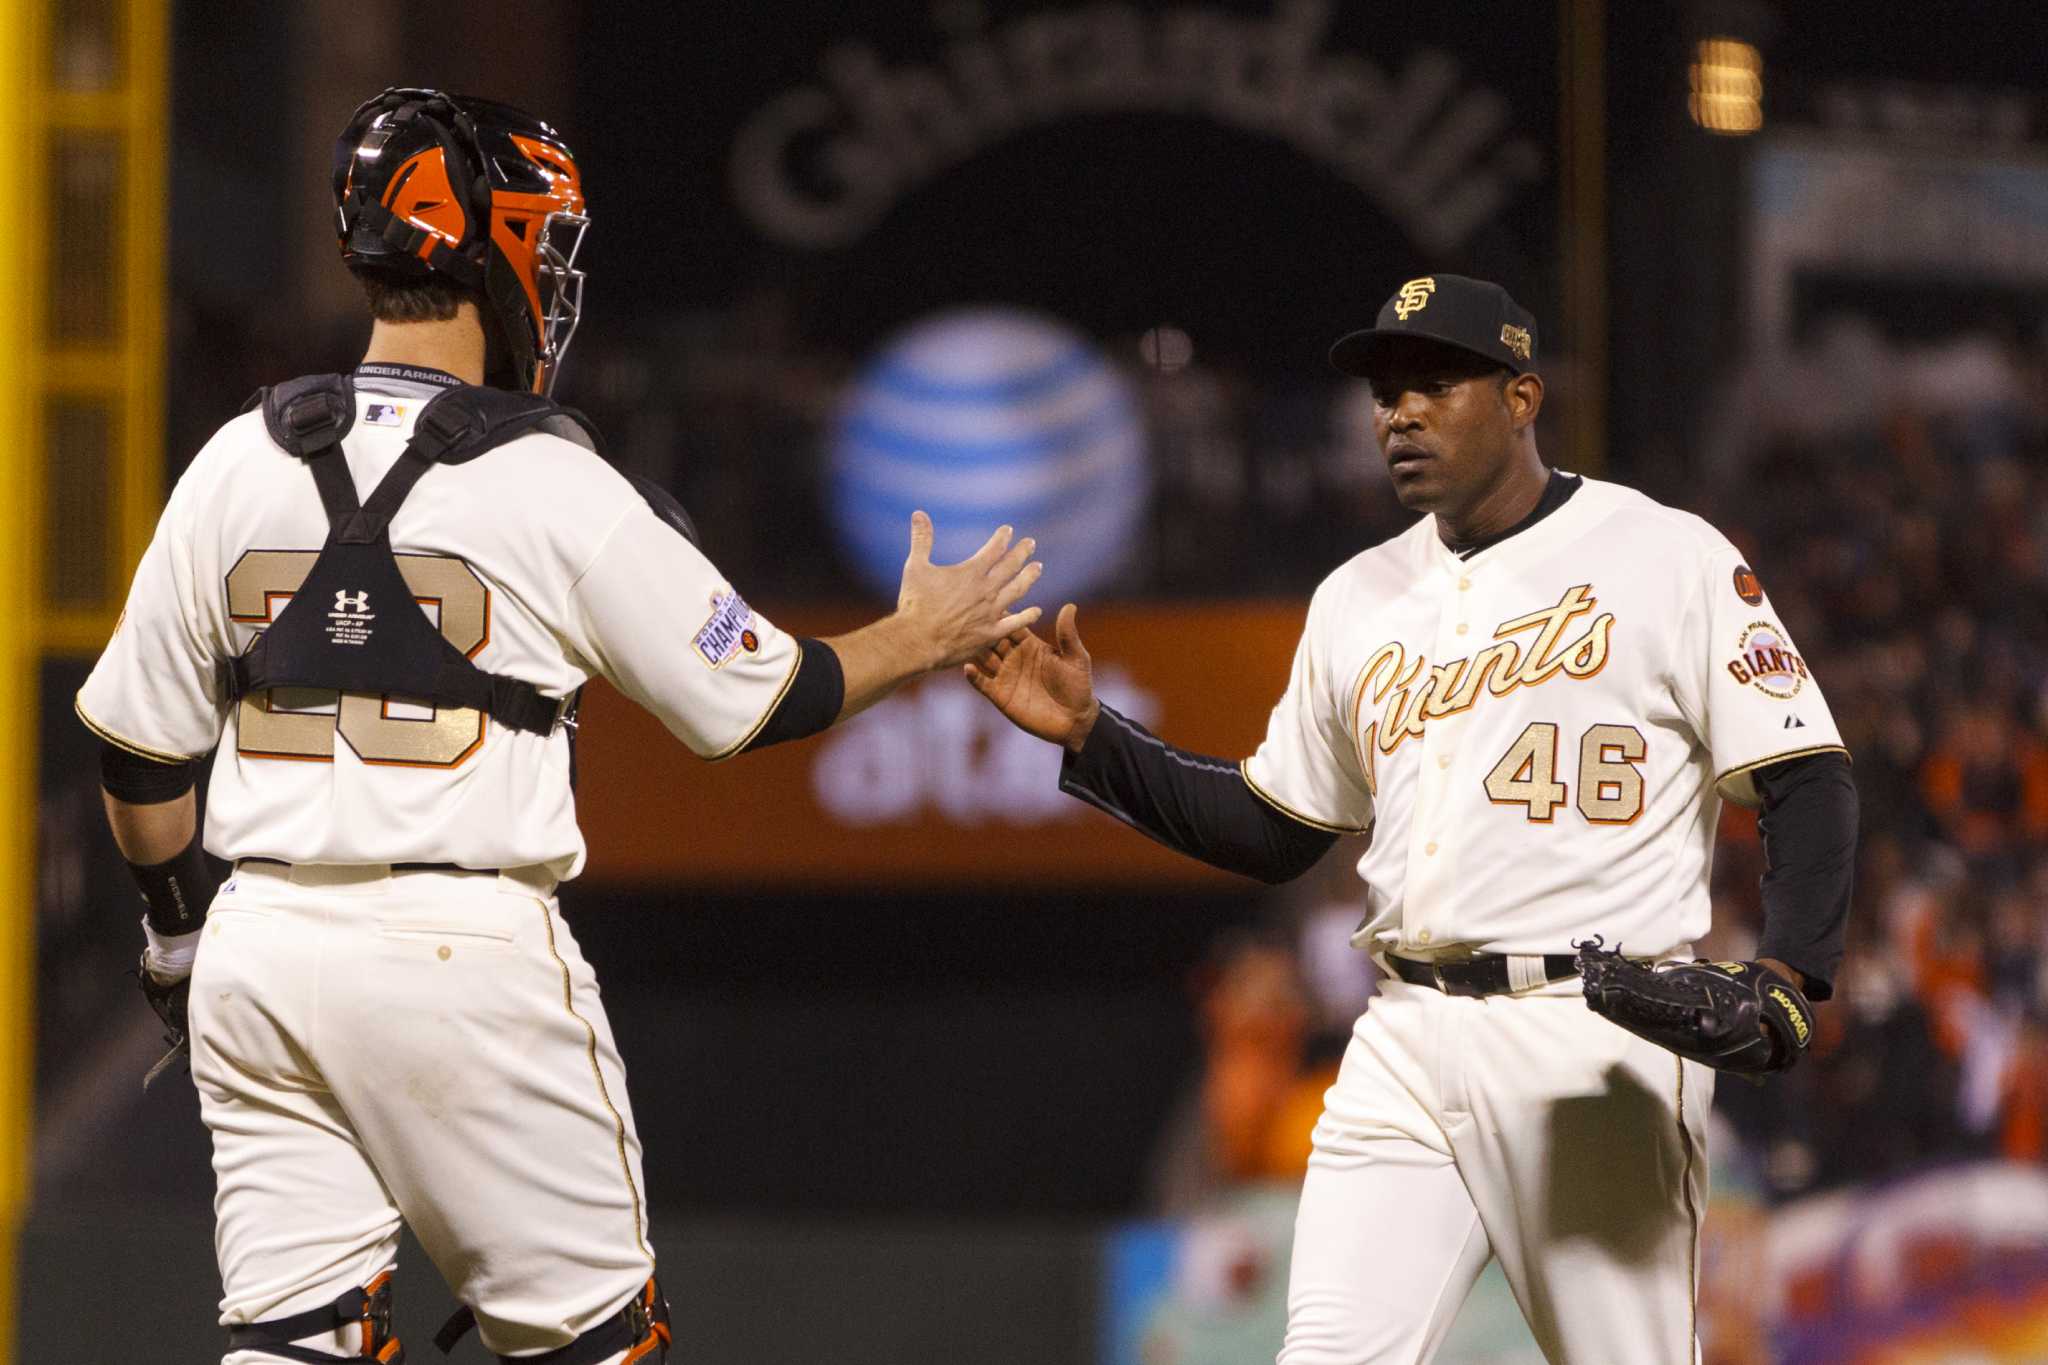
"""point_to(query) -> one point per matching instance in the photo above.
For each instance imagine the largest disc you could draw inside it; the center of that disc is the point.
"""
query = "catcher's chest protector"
(354, 624)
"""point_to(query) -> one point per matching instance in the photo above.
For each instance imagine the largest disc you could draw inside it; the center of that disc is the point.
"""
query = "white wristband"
(170, 955)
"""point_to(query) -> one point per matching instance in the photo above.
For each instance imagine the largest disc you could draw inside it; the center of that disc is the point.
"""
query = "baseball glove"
(1734, 1016)
(168, 999)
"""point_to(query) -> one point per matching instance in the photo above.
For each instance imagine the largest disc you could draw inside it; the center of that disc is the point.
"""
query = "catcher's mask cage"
(430, 185)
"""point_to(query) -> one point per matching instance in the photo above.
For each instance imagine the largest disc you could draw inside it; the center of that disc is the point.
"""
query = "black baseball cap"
(1472, 315)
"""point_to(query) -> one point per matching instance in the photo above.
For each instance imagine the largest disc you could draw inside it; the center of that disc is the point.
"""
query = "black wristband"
(178, 890)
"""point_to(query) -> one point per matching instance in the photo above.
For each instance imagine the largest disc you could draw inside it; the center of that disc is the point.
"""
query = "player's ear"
(1523, 395)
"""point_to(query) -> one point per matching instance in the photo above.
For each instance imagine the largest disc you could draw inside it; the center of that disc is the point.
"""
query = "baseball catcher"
(368, 611)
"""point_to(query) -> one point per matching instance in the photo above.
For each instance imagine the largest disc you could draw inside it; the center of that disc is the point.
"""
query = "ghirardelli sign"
(819, 165)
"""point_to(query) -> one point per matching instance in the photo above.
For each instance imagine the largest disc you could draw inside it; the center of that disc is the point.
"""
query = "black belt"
(395, 867)
(1481, 974)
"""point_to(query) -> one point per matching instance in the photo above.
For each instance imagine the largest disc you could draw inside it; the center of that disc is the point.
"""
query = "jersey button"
(1464, 585)
(1430, 848)
(1422, 937)
(1442, 761)
(1462, 627)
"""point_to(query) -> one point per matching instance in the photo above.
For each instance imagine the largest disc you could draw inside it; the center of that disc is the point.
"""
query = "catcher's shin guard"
(370, 1306)
(640, 1329)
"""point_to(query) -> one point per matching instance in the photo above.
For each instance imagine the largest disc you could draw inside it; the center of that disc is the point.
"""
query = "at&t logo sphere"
(988, 416)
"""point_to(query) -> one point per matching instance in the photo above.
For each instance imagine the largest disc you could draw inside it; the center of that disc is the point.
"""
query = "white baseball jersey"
(1540, 736)
(537, 559)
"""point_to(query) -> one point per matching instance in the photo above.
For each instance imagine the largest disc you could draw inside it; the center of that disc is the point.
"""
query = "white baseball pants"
(1524, 1127)
(371, 1046)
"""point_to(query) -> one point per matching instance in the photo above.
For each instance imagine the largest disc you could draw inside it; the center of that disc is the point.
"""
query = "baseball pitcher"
(1532, 704)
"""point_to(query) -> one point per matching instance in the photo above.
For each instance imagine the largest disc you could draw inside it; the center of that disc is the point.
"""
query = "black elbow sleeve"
(144, 781)
(814, 699)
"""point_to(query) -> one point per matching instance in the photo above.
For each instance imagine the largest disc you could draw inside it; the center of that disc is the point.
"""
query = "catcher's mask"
(430, 186)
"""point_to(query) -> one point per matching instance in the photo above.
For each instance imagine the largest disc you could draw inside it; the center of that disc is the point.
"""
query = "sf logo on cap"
(1414, 296)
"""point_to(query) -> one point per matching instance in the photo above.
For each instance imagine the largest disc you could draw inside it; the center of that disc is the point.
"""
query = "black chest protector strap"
(355, 624)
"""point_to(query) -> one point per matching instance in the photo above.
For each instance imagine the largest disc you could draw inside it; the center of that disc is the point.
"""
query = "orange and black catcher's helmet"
(470, 192)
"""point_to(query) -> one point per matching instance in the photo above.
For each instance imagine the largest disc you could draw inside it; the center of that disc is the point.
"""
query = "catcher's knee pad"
(368, 1306)
(640, 1329)
(646, 1318)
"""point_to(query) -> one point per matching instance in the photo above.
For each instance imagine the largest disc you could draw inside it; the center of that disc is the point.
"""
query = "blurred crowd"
(1906, 532)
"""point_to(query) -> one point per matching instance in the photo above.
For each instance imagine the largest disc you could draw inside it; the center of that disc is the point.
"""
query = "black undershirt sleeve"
(1809, 831)
(1193, 804)
(812, 702)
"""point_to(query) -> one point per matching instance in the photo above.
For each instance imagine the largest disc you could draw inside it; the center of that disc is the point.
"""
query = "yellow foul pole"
(83, 233)
(22, 215)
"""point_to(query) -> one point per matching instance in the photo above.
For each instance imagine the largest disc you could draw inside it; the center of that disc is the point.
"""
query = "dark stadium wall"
(1262, 174)
(982, 1054)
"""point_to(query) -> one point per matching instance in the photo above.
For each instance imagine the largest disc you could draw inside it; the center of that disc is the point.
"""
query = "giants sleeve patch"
(1766, 661)
(726, 633)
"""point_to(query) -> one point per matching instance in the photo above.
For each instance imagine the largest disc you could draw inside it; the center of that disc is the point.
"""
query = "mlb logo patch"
(385, 415)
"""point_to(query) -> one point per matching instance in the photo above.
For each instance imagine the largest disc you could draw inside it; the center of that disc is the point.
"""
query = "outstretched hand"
(956, 610)
(1047, 690)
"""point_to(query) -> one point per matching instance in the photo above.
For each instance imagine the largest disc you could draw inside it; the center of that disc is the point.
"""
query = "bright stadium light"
(1727, 87)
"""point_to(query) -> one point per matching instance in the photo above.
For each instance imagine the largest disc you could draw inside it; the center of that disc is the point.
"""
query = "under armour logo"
(349, 622)
(1794, 723)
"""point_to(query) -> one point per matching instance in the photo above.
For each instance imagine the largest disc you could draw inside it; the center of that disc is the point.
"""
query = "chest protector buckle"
(354, 625)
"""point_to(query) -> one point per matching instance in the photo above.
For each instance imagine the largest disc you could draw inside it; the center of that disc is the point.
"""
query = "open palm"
(1045, 689)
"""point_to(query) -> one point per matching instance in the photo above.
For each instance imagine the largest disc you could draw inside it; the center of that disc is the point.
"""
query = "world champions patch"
(726, 633)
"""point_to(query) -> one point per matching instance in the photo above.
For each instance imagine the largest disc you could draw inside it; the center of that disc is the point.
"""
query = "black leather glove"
(1741, 1017)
